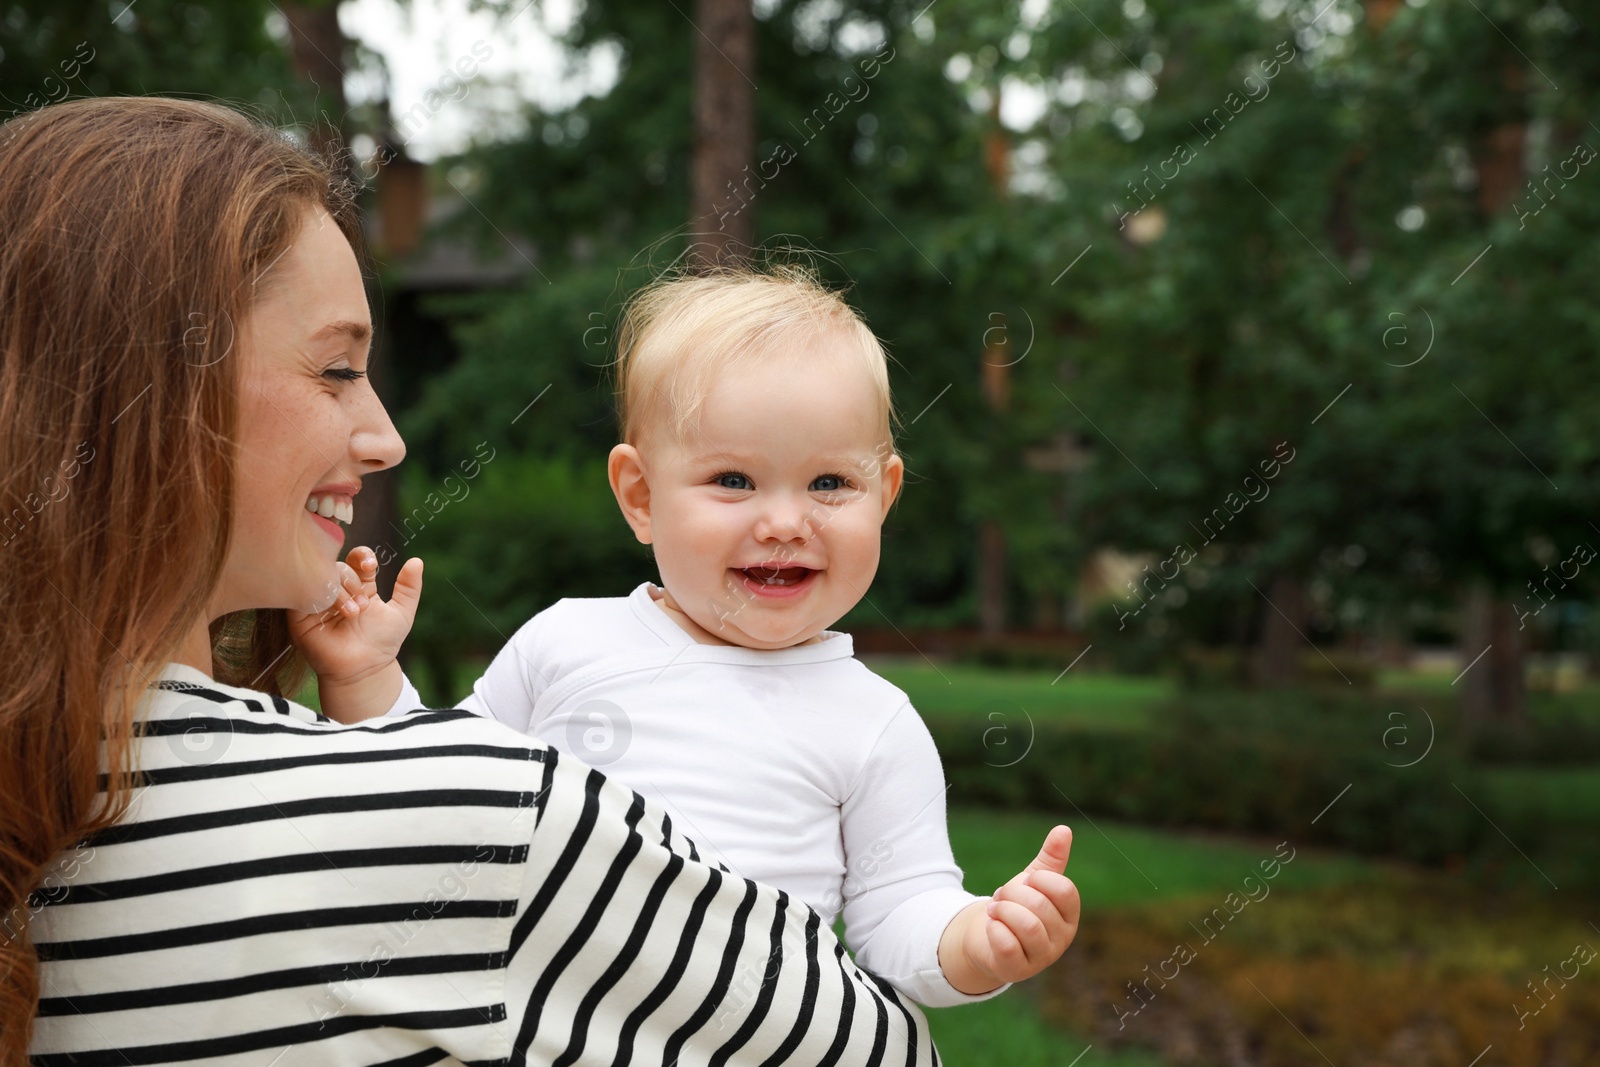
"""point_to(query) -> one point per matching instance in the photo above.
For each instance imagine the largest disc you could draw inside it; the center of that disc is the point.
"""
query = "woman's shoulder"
(284, 864)
(194, 729)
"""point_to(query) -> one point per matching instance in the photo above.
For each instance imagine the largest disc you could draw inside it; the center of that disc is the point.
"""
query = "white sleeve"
(902, 886)
(515, 678)
(408, 701)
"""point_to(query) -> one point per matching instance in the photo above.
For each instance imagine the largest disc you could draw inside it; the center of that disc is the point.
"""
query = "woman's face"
(309, 426)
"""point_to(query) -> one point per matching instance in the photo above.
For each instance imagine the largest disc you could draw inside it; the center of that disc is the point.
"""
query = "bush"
(1308, 765)
(1558, 731)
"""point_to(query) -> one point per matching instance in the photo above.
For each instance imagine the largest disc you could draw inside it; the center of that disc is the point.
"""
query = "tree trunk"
(995, 374)
(316, 49)
(991, 578)
(723, 187)
(1491, 659)
(1283, 632)
(1498, 152)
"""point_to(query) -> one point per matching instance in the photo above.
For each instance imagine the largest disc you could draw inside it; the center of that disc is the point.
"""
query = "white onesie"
(797, 767)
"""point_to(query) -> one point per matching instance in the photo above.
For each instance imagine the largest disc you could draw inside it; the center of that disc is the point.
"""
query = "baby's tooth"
(325, 508)
(346, 513)
(311, 503)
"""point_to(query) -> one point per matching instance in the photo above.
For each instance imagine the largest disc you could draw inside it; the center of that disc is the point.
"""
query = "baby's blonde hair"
(680, 332)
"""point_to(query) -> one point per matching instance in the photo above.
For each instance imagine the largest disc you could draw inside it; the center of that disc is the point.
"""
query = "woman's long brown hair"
(134, 231)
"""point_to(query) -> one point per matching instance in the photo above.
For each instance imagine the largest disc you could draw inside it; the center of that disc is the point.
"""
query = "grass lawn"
(1118, 701)
(1114, 866)
(1009, 1031)
(1117, 865)
(1090, 701)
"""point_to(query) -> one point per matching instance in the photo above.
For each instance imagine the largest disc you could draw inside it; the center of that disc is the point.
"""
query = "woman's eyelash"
(345, 374)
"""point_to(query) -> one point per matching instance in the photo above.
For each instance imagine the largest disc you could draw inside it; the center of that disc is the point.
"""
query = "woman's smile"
(332, 508)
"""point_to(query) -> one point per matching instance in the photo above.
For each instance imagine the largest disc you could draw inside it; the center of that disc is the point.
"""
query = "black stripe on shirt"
(296, 863)
(669, 979)
(841, 1039)
(224, 768)
(666, 837)
(769, 986)
(243, 724)
(576, 841)
(880, 1035)
(327, 974)
(320, 805)
(423, 1058)
(808, 999)
(585, 926)
(549, 756)
(259, 925)
(303, 1034)
(911, 1026)
(724, 980)
(202, 693)
(618, 967)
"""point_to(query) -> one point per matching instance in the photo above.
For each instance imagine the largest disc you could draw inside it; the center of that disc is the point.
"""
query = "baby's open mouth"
(779, 576)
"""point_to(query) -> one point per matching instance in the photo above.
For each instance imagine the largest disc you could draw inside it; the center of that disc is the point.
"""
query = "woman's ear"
(894, 473)
(631, 488)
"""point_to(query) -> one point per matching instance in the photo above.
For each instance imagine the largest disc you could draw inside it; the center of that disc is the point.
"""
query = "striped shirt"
(429, 889)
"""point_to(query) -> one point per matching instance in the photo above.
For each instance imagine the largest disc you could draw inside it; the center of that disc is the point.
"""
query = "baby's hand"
(1025, 928)
(352, 645)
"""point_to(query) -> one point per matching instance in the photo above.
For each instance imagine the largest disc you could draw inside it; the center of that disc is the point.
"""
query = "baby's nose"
(786, 521)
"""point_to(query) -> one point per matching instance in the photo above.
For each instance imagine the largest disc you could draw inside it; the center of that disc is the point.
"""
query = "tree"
(55, 49)
(1321, 187)
(724, 129)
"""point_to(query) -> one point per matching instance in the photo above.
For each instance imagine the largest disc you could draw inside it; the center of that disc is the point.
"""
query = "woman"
(194, 867)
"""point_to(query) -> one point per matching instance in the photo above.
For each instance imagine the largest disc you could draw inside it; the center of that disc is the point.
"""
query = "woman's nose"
(375, 443)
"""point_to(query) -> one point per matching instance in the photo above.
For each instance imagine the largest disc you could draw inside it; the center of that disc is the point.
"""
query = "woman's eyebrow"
(358, 332)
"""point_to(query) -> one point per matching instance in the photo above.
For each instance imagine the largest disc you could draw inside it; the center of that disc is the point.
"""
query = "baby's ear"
(894, 473)
(629, 485)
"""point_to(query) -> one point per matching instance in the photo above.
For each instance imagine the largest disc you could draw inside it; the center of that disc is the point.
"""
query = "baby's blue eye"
(733, 480)
(827, 483)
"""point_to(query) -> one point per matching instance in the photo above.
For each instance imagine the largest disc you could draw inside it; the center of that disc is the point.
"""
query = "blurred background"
(1244, 354)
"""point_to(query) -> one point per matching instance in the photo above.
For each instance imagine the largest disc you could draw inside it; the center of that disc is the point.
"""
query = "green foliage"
(53, 49)
(1281, 765)
(1281, 279)
(890, 186)
(529, 532)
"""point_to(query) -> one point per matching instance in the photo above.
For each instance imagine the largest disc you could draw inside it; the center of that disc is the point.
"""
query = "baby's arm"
(514, 679)
(906, 913)
(353, 644)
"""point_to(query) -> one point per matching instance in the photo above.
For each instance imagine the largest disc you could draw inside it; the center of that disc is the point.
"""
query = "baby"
(757, 461)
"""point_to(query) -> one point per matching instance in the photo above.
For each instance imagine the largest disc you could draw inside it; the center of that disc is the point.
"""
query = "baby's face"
(765, 518)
